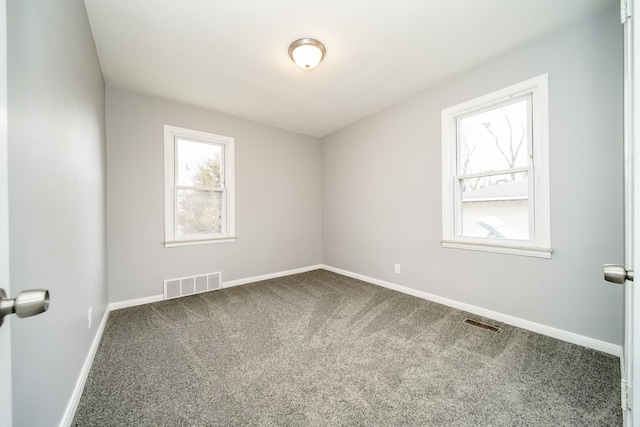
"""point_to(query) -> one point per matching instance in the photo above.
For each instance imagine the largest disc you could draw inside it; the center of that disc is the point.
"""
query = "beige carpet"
(322, 349)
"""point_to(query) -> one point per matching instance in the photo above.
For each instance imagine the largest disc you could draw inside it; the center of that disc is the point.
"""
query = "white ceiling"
(231, 56)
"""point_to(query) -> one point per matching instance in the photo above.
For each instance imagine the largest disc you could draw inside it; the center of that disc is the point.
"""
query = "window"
(199, 189)
(495, 172)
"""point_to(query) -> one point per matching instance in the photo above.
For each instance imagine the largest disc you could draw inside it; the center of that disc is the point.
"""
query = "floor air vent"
(175, 288)
(482, 325)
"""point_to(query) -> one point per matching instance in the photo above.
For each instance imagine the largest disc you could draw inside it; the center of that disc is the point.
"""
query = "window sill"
(530, 251)
(178, 243)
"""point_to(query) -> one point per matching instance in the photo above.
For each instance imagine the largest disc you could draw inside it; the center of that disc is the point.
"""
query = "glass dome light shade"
(307, 53)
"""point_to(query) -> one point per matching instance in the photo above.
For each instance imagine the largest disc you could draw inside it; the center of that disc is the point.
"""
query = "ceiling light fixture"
(307, 53)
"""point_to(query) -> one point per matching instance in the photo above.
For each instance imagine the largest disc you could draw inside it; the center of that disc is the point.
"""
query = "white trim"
(631, 371)
(531, 251)
(134, 302)
(228, 172)
(537, 87)
(494, 173)
(178, 243)
(560, 334)
(612, 349)
(72, 406)
(228, 284)
(6, 390)
(626, 11)
(244, 281)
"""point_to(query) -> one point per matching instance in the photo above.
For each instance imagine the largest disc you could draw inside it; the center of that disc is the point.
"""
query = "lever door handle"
(27, 303)
(615, 273)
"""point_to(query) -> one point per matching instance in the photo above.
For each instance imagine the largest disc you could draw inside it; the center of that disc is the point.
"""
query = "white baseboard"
(70, 412)
(270, 276)
(560, 334)
(133, 302)
(155, 298)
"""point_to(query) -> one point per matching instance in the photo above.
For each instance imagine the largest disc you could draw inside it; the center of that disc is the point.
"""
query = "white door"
(632, 235)
(630, 356)
(5, 334)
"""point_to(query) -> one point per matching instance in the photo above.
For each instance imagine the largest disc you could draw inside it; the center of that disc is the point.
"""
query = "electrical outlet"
(396, 268)
(90, 316)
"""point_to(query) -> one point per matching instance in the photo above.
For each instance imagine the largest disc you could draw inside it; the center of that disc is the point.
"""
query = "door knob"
(27, 303)
(617, 273)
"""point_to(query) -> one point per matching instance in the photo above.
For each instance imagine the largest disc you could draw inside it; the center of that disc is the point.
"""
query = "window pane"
(496, 206)
(198, 164)
(198, 212)
(494, 140)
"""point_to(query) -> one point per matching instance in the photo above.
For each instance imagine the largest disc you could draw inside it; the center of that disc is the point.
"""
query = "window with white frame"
(199, 187)
(495, 161)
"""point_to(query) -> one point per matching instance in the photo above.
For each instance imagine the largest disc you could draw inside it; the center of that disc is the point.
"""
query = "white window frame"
(171, 134)
(539, 244)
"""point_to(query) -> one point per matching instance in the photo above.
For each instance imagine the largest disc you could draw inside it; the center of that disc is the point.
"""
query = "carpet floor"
(319, 348)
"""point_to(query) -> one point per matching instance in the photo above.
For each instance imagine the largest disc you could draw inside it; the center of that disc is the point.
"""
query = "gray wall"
(57, 196)
(381, 189)
(278, 197)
